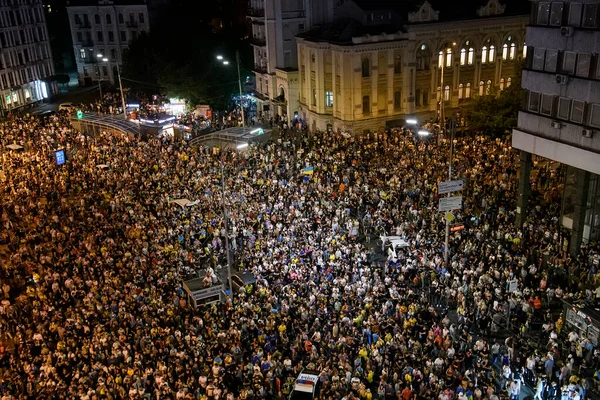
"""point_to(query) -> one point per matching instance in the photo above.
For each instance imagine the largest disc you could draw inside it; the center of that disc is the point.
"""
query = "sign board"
(208, 292)
(59, 156)
(512, 285)
(450, 186)
(450, 203)
(449, 216)
(79, 114)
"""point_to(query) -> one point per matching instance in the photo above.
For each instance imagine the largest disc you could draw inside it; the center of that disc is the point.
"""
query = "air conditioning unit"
(562, 79)
(587, 133)
(556, 124)
(566, 31)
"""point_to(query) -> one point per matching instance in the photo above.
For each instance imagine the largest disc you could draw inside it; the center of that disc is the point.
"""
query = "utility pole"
(237, 59)
(226, 226)
(121, 89)
(446, 245)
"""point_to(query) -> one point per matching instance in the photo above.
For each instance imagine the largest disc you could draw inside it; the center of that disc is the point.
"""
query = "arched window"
(447, 93)
(471, 56)
(423, 58)
(513, 51)
(508, 82)
(397, 64)
(468, 91)
(440, 59)
(481, 85)
(492, 54)
(488, 87)
(366, 68)
(108, 19)
(524, 50)
(505, 51)
(366, 105)
(484, 54)
(121, 20)
(448, 58)
(463, 56)
(501, 83)
(460, 91)
(97, 18)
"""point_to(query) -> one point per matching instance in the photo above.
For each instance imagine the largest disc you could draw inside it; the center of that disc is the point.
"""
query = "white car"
(66, 107)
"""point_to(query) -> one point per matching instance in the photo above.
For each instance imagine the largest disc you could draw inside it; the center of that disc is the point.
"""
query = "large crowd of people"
(92, 261)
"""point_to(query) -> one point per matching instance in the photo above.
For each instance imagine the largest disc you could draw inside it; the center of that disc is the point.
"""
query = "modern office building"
(275, 24)
(104, 27)
(26, 64)
(560, 119)
(381, 61)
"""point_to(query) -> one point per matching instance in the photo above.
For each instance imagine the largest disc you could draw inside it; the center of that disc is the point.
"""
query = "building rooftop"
(76, 3)
(341, 31)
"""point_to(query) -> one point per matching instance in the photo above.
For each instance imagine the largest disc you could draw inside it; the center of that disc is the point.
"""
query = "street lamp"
(99, 56)
(120, 87)
(411, 121)
(423, 133)
(237, 59)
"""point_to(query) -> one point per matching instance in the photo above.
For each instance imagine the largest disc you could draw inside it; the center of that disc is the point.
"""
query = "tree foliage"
(496, 114)
(178, 56)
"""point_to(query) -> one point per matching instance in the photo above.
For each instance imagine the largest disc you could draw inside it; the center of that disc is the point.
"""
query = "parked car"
(66, 107)
(242, 279)
(307, 386)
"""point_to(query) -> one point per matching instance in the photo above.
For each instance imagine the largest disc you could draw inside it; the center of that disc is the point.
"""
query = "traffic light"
(79, 114)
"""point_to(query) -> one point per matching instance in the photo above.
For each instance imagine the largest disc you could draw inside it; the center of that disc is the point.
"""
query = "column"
(524, 187)
(583, 185)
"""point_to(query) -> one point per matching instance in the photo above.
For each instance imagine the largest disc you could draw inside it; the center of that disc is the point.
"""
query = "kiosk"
(199, 294)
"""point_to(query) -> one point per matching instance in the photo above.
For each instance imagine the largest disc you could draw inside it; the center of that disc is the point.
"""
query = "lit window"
(447, 93)
(505, 52)
(492, 54)
(468, 91)
(460, 91)
(513, 51)
(484, 53)
(471, 56)
(449, 58)
(440, 59)
(508, 82)
(524, 50)
(463, 56)
(481, 86)
(501, 83)
(329, 99)
(82, 53)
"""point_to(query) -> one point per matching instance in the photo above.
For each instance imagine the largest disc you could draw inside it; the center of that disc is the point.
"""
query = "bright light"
(99, 55)
(424, 133)
(225, 62)
(255, 131)
(219, 57)
(242, 146)
(411, 121)
(105, 59)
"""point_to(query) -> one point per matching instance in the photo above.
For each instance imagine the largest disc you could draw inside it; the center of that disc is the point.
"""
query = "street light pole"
(226, 226)
(237, 59)
(446, 242)
(121, 89)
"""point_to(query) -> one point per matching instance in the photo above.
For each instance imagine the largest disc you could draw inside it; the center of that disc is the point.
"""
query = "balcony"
(293, 14)
(256, 12)
(262, 69)
(258, 41)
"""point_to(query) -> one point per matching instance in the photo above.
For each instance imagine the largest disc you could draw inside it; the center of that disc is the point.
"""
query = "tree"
(496, 114)
(178, 57)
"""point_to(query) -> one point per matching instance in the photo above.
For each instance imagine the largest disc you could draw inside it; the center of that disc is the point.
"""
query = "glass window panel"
(551, 60)
(577, 111)
(471, 56)
(463, 56)
(556, 13)
(546, 107)
(590, 12)
(538, 59)
(543, 14)
(534, 102)
(564, 107)
(575, 13)
(569, 62)
(584, 60)
(595, 115)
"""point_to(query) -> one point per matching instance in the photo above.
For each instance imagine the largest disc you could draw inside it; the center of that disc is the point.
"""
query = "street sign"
(450, 186)
(79, 114)
(450, 203)
(449, 216)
